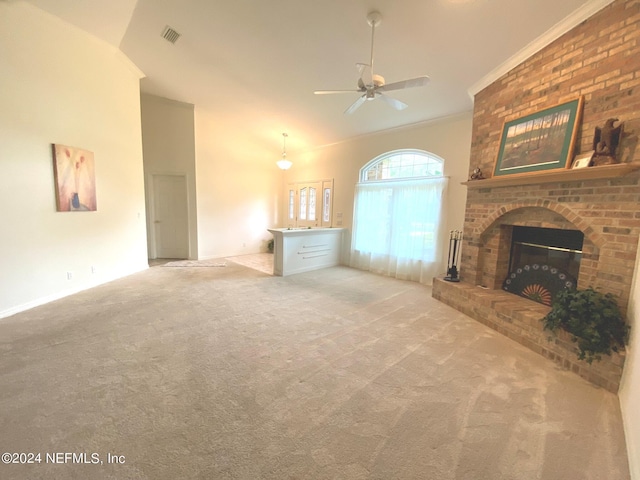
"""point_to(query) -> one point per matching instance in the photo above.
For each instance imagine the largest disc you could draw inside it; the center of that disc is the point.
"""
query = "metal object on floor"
(455, 238)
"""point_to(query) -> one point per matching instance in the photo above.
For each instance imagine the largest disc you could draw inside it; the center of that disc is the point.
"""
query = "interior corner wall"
(168, 140)
(61, 85)
(449, 138)
(238, 184)
(629, 392)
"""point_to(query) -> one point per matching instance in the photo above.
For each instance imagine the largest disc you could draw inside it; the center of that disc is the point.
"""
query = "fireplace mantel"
(569, 175)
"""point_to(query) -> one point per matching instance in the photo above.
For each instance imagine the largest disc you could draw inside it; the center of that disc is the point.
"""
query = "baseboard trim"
(62, 294)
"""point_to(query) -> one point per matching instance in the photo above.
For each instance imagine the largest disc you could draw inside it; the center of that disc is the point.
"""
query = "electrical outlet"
(69, 275)
(93, 269)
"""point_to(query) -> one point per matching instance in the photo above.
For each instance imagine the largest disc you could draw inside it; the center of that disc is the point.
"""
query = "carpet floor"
(231, 373)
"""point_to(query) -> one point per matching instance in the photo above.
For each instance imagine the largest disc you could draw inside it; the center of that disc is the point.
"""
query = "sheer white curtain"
(397, 228)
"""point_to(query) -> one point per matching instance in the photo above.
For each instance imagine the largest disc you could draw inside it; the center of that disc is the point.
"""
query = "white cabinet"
(302, 250)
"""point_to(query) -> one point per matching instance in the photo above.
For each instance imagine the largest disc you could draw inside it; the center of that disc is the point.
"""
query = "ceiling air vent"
(170, 35)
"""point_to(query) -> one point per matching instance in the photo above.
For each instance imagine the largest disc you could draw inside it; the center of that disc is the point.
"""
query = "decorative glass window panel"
(326, 205)
(292, 204)
(303, 204)
(312, 204)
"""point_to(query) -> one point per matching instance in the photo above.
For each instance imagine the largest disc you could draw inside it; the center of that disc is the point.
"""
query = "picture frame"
(75, 179)
(583, 160)
(539, 142)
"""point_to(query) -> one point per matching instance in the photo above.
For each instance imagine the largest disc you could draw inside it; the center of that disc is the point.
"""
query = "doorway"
(169, 223)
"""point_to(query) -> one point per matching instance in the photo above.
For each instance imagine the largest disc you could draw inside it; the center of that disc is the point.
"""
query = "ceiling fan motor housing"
(374, 18)
(378, 80)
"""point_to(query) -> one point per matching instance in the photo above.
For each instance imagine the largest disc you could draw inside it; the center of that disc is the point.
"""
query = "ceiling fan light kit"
(375, 87)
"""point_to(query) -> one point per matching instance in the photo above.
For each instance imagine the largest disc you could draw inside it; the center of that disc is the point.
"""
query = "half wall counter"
(298, 250)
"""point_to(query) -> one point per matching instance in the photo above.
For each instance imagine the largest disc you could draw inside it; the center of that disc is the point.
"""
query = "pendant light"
(284, 164)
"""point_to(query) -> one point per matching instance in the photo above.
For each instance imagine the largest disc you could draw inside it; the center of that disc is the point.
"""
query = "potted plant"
(270, 246)
(592, 318)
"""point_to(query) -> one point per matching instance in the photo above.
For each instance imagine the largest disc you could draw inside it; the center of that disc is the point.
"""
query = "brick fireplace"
(606, 211)
(594, 60)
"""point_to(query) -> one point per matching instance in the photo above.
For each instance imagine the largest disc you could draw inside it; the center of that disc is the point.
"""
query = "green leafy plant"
(592, 318)
(270, 245)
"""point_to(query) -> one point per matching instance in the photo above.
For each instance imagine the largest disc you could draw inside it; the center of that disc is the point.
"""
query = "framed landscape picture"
(540, 141)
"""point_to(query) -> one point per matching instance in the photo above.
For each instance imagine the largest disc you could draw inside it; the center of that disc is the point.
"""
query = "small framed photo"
(583, 160)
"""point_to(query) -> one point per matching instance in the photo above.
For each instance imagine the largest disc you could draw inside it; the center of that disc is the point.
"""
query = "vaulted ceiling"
(253, 64)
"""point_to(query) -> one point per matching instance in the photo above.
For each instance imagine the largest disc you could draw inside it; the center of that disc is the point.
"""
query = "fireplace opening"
(543, 261)
(551, 246)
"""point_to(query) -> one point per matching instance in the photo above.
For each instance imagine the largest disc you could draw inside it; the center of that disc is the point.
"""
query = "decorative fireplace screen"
(543, 261)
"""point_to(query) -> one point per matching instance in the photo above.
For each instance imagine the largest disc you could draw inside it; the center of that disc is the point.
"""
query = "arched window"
(398, 208)
(402, 164)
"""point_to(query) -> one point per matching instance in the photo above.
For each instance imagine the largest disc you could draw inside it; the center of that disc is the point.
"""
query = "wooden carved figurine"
(477, 174)
(605, 142)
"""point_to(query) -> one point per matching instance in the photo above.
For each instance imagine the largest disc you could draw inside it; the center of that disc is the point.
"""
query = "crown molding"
(575, 18)
(120, 55)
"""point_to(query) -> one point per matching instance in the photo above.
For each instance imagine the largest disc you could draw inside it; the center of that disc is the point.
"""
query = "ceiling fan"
(375, 87)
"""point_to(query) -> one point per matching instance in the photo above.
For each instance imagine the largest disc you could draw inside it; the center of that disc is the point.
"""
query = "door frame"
(151, 217)
(321, 185)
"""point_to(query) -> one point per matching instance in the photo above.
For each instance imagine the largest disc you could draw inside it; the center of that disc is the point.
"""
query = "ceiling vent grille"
(170, 35)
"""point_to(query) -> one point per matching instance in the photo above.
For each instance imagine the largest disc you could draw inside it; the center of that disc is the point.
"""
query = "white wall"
(630, 387)
(449, 138)
(168, 140)
(238, 184)
(60, 85)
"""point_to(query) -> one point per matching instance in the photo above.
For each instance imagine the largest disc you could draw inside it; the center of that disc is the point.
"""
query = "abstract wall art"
(75, 179)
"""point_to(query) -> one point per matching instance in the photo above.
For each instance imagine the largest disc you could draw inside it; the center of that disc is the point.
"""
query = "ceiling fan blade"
(410, 83)
(361, 67)
(356, 104)
(326, 92)
(397, 104)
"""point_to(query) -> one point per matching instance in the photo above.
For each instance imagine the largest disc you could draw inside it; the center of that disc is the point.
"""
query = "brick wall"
(607, 211)
(599, 60)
